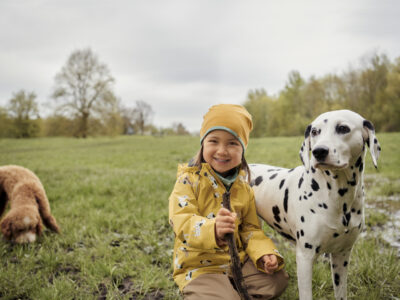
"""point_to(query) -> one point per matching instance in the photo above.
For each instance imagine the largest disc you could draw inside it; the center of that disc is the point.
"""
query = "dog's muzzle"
(320, 153)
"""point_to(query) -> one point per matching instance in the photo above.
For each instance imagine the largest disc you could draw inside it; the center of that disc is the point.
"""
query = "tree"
(83, 84)
(141, 115)
(260, 106)
(23, 109)
(179, 129)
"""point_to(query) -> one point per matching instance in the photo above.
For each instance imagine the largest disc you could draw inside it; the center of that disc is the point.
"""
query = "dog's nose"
(320, 153)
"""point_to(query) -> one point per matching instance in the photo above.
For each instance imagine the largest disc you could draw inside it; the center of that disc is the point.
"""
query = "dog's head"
(21, 227)
(336, 139)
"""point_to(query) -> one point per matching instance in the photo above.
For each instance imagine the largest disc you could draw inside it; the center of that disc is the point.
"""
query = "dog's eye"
(315, 131)
(342, 129)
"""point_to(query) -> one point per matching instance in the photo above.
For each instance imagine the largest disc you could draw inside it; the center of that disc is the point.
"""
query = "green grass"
(110, 197)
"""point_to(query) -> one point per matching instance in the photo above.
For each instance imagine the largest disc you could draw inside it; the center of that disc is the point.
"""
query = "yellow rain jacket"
(193, 206)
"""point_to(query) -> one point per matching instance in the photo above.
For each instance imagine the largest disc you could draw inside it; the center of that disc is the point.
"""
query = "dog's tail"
(44, 209)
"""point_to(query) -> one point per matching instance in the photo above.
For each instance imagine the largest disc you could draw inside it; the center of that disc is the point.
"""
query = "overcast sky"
(183, 56)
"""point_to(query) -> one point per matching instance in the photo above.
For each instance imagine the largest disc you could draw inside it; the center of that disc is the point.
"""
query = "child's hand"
(269, 263)
(224, 223)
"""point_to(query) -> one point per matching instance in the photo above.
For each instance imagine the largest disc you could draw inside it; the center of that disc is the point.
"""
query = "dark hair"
(198, 159)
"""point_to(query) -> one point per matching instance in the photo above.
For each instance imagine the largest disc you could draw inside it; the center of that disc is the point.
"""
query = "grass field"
(110, 197)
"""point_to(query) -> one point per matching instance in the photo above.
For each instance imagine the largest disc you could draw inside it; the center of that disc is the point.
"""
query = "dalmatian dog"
(320, 204)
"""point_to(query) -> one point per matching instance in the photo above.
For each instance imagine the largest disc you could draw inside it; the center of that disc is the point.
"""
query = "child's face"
(222, 151)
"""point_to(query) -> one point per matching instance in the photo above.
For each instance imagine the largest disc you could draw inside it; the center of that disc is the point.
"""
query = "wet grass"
(110, 197)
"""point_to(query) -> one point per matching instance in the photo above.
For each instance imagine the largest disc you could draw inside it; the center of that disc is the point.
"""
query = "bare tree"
(82, 85)
(142, 114)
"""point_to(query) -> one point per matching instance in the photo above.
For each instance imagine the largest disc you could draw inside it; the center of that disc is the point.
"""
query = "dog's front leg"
(304, 261)
(339, 264)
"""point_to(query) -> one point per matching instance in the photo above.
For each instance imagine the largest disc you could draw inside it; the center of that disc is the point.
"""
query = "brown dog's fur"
(29, 206)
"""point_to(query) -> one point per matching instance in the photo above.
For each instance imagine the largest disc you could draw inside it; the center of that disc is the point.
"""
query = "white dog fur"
(320, 205)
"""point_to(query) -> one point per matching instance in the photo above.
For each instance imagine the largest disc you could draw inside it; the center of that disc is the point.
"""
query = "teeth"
(221, 160)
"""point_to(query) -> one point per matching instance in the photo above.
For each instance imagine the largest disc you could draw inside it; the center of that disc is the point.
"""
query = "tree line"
(372, 90)
(86, 105)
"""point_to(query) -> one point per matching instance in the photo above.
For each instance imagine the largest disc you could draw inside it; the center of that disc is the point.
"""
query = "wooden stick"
(233, 252)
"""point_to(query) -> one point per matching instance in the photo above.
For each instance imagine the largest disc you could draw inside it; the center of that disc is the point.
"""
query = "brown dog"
(29, 206)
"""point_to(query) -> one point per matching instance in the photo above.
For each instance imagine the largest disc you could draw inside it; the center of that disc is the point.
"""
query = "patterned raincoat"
(193, 206)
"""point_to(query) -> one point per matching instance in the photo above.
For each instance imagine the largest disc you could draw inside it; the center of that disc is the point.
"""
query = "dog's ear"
(44, 209)
(305, 148)
(372, 142)
(6, 228)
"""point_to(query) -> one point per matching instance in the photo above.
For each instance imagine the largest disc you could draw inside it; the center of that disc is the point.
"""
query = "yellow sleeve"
(256, 243)
(189, 226)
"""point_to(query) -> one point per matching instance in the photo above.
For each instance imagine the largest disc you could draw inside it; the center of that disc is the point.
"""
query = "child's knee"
(268, 286)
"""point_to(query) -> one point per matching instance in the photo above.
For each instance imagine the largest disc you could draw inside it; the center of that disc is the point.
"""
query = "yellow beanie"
(229, 117)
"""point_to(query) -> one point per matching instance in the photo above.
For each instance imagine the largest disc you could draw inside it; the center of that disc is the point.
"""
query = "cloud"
(183, 56)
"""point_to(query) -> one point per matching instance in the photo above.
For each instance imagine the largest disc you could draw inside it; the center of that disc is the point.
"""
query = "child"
(201, 255)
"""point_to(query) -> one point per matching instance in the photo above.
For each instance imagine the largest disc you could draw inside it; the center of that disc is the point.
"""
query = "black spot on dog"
(344, 207)
(361, 167)
(310, 194)
(277, 218)
(291, 170)
(258, 180)
(314, 185)
(305, 197)
(345, 264)
(359, 212)
(312, 170)
(285, 200)
(335, 235)
(307, 132)
(308, 246)
(273, 176)
(317, 249)
(327, 172)
(298, 235)
(326, 121)
(302, 219)
(312, 211)
(348, 217)
(342, 191)
(358, 162)
(328, 185)
(325, 206)
(282, 183)
(335, 177)
(369, 125)
(300, 198)
(289, 237)
(301, 181)
(277, 226)
(301, 232)
(353, 210)
(276, 210)
(337, 279)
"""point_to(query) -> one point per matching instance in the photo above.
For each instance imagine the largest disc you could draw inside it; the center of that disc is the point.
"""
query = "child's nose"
(222, 149)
